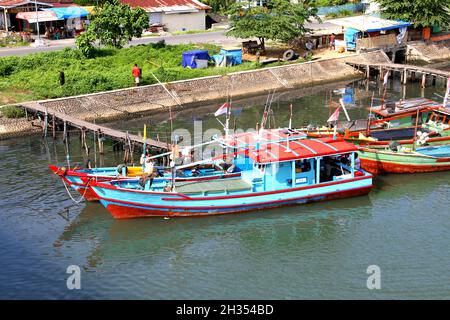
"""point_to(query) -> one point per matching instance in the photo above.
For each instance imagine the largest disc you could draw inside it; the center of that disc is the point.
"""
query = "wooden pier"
(406, 71)
(52, 118)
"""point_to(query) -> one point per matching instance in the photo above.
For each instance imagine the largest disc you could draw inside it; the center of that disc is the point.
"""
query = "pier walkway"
(52, 118)
(403, 69)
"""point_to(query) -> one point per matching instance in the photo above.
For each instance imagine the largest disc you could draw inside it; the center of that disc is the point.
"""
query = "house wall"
(2, 20)
(186, 21)
(155, 17)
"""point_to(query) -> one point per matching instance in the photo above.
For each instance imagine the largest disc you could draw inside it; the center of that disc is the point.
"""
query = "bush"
(12, 112)
(36, 76)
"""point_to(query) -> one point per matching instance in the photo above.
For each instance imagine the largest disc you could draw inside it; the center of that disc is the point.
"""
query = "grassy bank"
(37, 76)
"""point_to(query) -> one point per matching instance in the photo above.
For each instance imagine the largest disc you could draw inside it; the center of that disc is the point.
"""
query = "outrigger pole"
(370, 115)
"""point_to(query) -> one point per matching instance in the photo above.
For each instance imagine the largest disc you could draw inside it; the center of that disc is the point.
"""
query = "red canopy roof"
(273, 145)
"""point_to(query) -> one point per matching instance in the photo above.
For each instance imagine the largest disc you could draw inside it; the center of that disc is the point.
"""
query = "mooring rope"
(82, 196)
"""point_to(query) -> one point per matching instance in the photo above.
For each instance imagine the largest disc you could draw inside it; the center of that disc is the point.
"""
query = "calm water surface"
(317, 250)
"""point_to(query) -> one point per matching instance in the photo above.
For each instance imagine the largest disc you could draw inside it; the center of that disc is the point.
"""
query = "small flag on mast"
(386, 76)
(334, 116)
(222, 109)
(447, 93)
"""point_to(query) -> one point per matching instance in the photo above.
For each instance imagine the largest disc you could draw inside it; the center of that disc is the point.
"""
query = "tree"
(280, 20)
(113, 24)
(219, 6)
(422, 13)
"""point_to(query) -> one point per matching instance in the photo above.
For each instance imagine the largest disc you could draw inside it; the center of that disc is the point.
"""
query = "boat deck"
(216, 186)
(435, 151)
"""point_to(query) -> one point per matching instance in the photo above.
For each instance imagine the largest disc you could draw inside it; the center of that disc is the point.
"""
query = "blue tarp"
(402, 24)
(350, 37)
(69, 12)
(188, 58)
(236, 54)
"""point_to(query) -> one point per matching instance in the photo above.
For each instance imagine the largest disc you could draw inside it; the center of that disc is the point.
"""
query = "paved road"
(217, 37)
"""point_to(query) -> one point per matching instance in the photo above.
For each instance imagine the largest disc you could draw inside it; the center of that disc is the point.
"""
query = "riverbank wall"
(145, 100)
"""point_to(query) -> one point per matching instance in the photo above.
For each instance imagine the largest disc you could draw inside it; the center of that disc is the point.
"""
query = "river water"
(319, 250)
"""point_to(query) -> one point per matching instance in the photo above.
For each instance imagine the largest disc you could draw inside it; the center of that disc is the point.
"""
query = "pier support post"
(405, 76)
(424, 80)
(45, 124)
(53, 127)
(367, 71)
(100, 142)
(380, 75)
(65, 132)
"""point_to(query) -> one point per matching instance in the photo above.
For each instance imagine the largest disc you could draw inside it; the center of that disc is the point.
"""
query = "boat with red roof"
(277, 167)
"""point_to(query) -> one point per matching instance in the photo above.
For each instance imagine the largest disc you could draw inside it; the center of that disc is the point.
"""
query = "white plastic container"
(201, 64)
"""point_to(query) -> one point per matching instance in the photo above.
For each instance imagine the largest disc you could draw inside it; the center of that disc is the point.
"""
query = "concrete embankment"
(428, 52)
(124, 103)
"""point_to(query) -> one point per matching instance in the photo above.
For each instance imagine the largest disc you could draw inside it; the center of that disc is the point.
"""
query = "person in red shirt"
(136, 72)
(333, 41)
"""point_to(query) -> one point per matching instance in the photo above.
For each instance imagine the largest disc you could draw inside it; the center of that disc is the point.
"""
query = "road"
(217, 37)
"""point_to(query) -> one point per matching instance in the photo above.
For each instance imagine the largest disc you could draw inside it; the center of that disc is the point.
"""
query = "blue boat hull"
(123, 204)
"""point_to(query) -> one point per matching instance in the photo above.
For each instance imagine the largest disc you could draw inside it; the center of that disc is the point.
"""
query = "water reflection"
(306, 251)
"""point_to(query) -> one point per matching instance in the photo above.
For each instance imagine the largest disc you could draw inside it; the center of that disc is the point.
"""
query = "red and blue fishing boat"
(278, 167)
(81, 179)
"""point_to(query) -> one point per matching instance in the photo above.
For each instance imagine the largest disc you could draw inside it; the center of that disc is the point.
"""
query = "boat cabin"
(403, 112)
(280, 160)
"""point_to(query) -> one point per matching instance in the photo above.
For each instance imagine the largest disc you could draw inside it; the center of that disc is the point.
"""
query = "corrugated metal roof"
(369, 23)
(15, 3)
(272, 146)
(168, 6)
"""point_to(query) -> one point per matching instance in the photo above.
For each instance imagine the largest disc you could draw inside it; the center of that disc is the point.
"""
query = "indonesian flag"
(335, 116)
(222, 109)
(386, 76)
(447, 93)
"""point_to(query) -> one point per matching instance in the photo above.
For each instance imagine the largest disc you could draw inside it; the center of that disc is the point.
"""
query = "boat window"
(302, 166)
(331, 167)
(260, 167)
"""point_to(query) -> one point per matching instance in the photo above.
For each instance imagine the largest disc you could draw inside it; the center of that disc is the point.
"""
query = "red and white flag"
(222, 109)
(386, 76)
(447, 93)
(335, 116)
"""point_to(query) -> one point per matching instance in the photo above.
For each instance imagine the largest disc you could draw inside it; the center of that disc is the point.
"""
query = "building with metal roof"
(174, 15)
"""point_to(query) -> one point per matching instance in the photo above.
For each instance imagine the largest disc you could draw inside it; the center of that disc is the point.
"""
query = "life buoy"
(120, 168)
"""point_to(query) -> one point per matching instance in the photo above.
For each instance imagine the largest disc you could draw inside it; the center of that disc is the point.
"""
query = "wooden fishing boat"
(81, 179)
(399, 159)
(432, 118)
(278, 167)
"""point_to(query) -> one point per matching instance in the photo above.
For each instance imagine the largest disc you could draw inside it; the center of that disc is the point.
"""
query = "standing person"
(332, 41)
(136, 72)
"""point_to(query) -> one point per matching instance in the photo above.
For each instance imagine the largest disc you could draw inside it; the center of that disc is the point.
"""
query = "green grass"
(194, 31)
(36, 76)
(12, 112)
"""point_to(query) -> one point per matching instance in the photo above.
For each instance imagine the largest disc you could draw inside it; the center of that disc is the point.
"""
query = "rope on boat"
(82, 196)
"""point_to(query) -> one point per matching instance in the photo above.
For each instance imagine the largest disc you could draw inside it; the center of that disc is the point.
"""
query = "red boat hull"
(88, 194)
(125, 212)
(377, 167)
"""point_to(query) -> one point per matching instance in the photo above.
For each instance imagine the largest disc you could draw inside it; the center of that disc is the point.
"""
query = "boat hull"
(124, 204)
(81, 181)
(377, 162)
